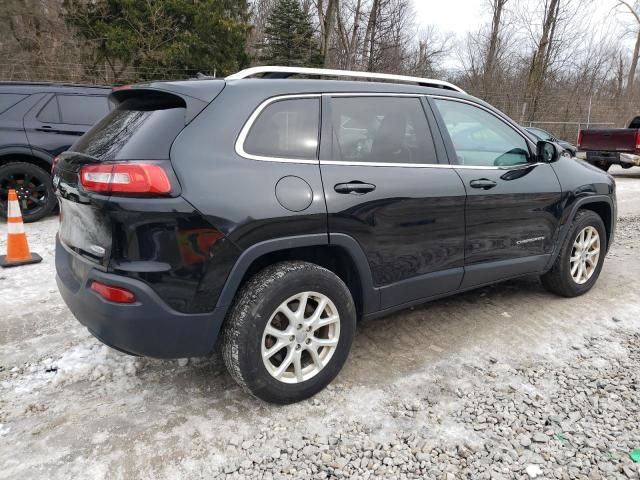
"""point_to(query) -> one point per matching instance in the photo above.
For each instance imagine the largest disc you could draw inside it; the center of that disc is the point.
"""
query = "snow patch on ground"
(94, 362)
(91, 362)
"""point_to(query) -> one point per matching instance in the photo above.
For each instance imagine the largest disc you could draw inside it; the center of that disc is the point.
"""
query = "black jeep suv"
(272, 213)
(37, 122)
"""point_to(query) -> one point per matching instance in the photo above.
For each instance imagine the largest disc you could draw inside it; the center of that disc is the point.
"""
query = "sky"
(462, 16)
(455, 16)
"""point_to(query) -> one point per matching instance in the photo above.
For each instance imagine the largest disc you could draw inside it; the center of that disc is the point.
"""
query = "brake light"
(579, 141)
(638, 140)
(113, 294)
(127, 178)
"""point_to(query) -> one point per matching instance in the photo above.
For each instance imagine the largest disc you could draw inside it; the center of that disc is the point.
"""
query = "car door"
(512, 209)
(57, 121)
(385, 189)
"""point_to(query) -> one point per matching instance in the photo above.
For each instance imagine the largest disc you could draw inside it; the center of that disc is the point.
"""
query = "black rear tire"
(603, 166)
(254, 308)
(559, 280)
(34, 188)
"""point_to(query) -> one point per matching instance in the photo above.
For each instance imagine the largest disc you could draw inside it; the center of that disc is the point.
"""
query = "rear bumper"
(614, 158)
(147, 327)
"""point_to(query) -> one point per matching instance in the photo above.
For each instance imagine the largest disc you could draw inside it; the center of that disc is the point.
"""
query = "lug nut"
(299, 326)
(308, 341)
(298, 347)
(292, 338)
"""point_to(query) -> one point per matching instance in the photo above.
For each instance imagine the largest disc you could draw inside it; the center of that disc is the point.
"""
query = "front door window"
(481, 139)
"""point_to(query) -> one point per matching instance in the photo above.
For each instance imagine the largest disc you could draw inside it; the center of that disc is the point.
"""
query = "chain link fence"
(563, 113)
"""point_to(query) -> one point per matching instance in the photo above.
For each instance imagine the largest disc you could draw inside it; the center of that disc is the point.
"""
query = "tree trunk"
(369, 36)
(494, 40)
(329, 24)
(538, 69)
(632, 68)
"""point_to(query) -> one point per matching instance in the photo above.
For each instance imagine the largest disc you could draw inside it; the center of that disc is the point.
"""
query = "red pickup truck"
(606, 147)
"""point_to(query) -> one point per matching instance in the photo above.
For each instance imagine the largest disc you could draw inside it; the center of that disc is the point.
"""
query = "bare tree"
(634, 11)
(541, 55)
(327, 18)
(495, 40)
(370, 34)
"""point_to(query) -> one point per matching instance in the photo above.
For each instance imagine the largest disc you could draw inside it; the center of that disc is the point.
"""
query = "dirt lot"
(502, 382)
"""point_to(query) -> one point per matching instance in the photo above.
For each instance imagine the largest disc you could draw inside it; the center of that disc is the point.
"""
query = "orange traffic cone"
(17, 245)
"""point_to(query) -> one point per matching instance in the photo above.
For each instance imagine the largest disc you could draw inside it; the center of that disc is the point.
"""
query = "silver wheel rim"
(300, 337)
(585, 255)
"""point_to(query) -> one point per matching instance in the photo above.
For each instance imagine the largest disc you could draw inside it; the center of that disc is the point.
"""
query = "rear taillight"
(126, 178)
(638, 140)
(579, 141)
(113, 294)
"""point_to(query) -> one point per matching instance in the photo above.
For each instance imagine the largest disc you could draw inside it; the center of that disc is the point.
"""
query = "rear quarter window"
(286, 129)
(50, 112)
(82, 109)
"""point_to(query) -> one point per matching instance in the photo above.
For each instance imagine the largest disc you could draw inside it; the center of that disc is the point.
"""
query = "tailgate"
(84, 224)
(609, 140)
(140, 130)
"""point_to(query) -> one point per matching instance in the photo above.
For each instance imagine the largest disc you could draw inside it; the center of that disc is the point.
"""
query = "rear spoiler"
(191, 95)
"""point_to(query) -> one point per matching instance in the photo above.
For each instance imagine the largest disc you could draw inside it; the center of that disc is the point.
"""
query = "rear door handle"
(483, 183)
(355, 187)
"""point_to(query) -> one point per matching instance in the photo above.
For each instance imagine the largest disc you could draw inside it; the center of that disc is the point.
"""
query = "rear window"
(286, 129)
(137, 129)
(8, 100)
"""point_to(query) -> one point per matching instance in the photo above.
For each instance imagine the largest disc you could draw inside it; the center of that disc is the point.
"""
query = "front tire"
(289, 332)
(581, 256)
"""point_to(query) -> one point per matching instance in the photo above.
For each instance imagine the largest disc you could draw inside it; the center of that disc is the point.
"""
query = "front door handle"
(354, 187)
(483, 183)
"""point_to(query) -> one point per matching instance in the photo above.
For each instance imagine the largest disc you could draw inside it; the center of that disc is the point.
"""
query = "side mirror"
(547, 152)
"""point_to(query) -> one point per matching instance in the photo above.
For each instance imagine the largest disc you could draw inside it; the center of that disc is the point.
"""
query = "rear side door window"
(381, 130)
(480, 138)
(286, 129)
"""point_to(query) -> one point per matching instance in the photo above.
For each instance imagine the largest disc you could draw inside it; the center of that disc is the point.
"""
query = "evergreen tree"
(163, 38)
(289, 37)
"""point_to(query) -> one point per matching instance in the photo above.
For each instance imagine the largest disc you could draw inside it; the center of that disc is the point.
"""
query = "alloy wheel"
(31, 192)
(585, 255)
(300, 337)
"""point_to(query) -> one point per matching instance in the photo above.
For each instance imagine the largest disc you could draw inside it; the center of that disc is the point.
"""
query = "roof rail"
(285, 72)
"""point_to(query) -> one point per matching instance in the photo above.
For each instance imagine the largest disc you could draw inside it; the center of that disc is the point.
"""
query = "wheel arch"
(602, 205)
(338, 253)
(25, 154)
(604, 211)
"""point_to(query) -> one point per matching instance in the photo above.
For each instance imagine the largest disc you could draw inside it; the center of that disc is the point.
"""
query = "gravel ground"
(506, 381)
